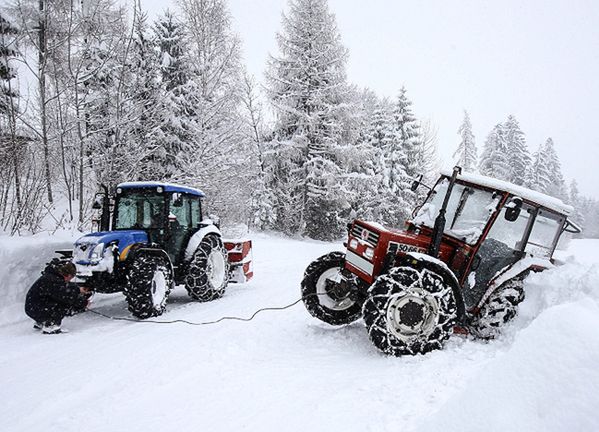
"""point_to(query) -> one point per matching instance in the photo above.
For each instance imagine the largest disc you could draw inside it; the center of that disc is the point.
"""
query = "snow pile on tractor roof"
(168, 187)
(525, 193)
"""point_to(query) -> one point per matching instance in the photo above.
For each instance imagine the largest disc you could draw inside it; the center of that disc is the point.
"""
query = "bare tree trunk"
(42, 84)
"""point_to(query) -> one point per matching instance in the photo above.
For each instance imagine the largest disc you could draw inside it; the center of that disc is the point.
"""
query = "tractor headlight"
(369, 252)
(353, 244)
(97, 252)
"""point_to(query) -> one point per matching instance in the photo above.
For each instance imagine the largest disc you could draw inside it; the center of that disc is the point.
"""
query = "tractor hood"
(369, 243)
(89, 249)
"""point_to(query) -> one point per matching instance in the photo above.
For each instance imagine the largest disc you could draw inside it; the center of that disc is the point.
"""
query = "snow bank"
(544, 376)
(23, 259)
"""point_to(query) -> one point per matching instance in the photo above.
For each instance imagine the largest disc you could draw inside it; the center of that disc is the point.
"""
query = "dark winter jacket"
(51, 290)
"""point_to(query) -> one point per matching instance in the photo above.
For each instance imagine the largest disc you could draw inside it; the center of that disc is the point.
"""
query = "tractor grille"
(365, 234)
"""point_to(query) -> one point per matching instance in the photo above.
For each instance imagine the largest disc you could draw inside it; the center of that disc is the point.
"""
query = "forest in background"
(112, 97)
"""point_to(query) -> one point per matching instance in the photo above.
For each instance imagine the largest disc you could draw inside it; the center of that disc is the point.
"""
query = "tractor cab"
(169, 214)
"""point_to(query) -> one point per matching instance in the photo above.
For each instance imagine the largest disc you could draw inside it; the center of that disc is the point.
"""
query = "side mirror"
(512, 209)
(415, 184)
(178, 200)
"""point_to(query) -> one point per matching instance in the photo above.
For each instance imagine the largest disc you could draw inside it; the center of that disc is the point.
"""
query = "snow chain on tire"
(409, 311)
(500, 308)
(327, 270)
(150, 281)
(208, 272)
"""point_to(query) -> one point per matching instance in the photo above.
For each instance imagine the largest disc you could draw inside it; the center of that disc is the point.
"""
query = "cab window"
(544, 234)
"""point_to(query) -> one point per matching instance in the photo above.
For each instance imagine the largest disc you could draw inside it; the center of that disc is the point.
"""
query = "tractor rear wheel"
(500, 308)
(208, 273)
(409, 311)
(326, 291)
(150, 281)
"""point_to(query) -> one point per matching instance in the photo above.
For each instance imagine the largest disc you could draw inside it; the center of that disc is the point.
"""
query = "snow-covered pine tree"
(494, 161)
(519, 158)
(576, 201)
(380, 133)
(538, 176)
(407, 136)
(557, 186)
(466, 154)
(144, 100)
(175, 115)
(308, 90)
(218, 158)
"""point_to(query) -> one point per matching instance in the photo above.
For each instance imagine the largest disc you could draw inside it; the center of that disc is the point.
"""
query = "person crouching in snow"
(53, 296)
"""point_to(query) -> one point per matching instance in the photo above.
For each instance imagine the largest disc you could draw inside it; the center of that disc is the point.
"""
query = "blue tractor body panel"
(85, 245)
(167, 187)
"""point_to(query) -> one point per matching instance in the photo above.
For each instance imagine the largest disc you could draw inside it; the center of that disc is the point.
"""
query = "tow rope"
(182, 321)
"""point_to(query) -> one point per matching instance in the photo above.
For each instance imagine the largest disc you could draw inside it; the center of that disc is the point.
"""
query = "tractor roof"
(168, 187)
(547, 201)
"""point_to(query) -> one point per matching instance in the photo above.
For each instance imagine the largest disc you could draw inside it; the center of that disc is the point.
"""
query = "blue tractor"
(152, 236)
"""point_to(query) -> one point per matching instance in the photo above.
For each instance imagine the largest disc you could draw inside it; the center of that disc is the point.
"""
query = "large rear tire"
(409, 311)
(326, 291)
(150, 281)
(208, 273)
(500, 308)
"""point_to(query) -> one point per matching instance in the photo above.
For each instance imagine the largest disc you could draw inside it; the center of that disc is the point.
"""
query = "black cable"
(198, 323)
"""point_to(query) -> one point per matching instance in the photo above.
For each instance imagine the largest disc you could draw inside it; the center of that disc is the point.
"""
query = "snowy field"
(286, 371)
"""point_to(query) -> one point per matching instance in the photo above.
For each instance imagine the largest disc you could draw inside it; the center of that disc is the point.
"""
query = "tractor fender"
(420, 261)
(198, 236)
(145, 249)
(519, 269)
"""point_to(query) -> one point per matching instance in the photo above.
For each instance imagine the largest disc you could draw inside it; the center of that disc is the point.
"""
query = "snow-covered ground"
(286, 371)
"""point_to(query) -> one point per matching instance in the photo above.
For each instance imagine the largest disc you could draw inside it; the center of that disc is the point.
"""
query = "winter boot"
(52, 329)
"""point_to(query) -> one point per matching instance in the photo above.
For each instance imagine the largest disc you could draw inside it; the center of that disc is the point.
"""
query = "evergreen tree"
(7, 70)
(407, 136)
(144, 98)
(494, 161)
(538, 177)
(519, 159)
(557, 185)
(307, 87)
(466, 153)
(175, 114)
(576, 201)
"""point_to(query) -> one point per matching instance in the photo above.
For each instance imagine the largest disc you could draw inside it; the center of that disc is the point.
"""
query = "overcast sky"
(538, 60)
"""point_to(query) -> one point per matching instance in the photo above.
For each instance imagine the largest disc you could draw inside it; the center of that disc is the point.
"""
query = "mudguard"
(423, 261)
(207, 228)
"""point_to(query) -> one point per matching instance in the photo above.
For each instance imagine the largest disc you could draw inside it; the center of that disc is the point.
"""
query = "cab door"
(502, 247)
(180, 225)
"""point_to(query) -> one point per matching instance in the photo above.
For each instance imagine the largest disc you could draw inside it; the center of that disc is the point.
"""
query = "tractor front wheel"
(326, 291)
(409, 311)
(208, 273)
(150, 281)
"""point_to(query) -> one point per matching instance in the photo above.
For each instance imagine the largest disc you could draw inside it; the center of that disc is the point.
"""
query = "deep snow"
(287, 371)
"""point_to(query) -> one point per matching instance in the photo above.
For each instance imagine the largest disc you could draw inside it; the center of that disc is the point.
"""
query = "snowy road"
(286, 371)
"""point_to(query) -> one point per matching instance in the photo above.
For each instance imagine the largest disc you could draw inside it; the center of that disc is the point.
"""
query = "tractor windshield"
(468, 211)
(140, 209)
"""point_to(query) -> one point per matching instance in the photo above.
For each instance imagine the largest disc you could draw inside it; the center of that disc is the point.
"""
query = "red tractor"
(459, 263)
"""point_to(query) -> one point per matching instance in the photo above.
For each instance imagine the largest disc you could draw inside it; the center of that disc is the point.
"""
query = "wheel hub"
(215, 269)
(159, 288)
(334, 290)
(410, 315)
